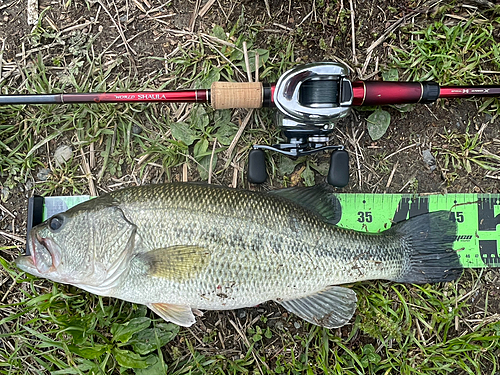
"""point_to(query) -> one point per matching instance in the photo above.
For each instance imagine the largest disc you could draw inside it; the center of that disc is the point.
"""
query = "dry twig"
(88, 174)
(236, 138)
(390, 29)
(353, 33)
(194, 16)
(210, 167)
(7, 211)
(206, 8)
(13, 237)
(389, 181)
(118, 28)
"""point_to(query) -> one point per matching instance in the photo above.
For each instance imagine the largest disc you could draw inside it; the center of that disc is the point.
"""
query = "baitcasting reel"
(309, 99)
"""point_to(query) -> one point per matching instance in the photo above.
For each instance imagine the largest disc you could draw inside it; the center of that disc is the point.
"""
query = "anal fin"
(330, 308)
(178, 314)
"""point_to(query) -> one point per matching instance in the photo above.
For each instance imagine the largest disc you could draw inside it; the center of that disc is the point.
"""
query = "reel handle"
(338, 173)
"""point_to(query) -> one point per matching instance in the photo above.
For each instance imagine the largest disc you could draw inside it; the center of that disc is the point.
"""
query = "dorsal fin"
(320, 199)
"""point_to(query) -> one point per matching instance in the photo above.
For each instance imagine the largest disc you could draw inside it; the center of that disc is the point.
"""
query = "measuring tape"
(477, 217)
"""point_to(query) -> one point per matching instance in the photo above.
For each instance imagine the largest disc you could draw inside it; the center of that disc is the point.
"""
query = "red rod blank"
(180, 96)
(468, 91)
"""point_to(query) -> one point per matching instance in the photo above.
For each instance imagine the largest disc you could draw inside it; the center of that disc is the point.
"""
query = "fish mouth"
(26, 263)
(43, 256)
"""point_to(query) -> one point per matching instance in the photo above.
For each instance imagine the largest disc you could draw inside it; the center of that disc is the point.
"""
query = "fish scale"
(269, 226)
(178, 248)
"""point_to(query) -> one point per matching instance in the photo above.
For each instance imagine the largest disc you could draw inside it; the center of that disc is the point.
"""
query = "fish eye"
(55, 223)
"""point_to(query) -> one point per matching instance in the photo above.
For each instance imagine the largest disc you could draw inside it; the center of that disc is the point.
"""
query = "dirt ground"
(153, 29)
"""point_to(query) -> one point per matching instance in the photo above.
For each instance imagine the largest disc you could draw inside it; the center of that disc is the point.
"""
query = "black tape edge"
(35, 216)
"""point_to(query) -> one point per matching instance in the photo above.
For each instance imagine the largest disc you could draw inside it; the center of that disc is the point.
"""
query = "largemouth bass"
(181, 248)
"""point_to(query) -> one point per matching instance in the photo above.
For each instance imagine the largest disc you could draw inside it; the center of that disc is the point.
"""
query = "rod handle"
(224, 95)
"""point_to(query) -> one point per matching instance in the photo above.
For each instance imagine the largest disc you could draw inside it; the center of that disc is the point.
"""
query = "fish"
(181, 248)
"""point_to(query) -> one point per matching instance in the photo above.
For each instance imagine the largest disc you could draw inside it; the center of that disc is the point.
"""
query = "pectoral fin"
(330, 308)
(176, 263)
(178, 314)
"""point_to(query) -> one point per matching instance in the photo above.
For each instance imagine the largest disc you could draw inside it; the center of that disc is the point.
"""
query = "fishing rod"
(319, 85)
(309, 99)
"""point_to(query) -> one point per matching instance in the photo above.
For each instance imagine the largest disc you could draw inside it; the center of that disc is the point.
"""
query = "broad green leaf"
(219, 32)
(204, 166)
(128, 359)
(237, 53)
(123, 332)
(199, 118)
(286, 166)
(206, 82)
(200, 149)
(145, 342)
(89, 352)
(391, 75)
(182, 132)
(268, 334)
(404, 107)
(155, 367)
(227, 129)
(378, 122)
(370, 355)
(78, 335)
(226, 133)
(222, 116)
(321, 168)
(308, 176)
(256, 337)
(263, 57)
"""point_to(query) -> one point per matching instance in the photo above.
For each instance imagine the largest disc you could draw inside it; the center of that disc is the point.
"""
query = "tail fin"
(427, 241)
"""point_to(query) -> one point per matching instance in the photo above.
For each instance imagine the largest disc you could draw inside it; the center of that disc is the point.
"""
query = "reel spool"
(309, 99)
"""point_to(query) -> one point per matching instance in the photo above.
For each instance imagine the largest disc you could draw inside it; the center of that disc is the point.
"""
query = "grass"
(463, 53)
(398, 329)
(452, 54)
(162, 140)
(407, 329)
(463, 151)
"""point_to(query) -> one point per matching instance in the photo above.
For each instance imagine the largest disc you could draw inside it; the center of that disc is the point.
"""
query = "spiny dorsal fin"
(176, 263)
(319, 199)
(330, 308)
(178, 314)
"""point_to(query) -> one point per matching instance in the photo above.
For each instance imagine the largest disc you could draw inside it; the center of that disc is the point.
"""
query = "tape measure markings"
(477, 217)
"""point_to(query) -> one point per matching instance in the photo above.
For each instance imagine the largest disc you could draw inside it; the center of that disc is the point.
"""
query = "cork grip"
(236, 95)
